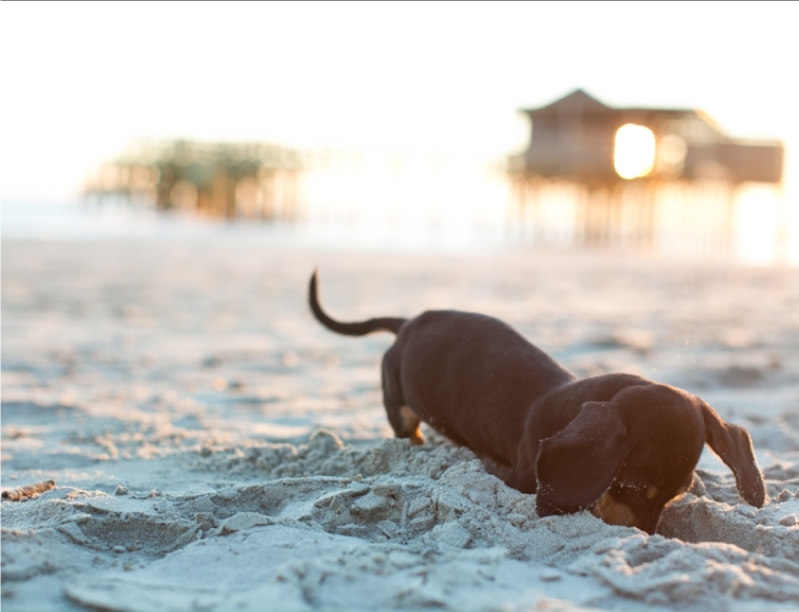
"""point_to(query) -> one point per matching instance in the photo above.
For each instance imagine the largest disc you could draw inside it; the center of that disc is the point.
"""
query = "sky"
(80, 82)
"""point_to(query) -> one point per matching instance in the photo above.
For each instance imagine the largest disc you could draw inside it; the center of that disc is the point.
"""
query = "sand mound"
(323, 524)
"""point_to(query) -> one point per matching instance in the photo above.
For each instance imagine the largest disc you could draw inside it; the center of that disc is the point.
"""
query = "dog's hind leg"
(402, 418)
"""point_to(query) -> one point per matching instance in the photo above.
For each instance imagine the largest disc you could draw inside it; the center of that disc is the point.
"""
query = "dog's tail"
(361, 328)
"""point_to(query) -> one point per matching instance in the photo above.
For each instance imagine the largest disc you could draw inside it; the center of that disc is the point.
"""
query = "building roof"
(582, 104)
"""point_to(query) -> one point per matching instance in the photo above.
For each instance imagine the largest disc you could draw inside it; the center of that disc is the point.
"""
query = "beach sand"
(211, 447)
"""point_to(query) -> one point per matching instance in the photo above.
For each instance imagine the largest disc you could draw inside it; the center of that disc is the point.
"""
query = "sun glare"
(633, 151)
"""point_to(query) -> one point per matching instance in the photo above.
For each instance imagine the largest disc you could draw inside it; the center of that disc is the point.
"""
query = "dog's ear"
(578, 464)
(734, 446)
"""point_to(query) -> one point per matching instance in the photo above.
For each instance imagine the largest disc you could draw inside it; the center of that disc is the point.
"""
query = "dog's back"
(444, 361)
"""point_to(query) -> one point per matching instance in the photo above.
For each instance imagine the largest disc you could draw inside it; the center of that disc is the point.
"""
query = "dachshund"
(618, 445)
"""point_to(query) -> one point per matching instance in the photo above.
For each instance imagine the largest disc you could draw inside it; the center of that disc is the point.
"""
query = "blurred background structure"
(617, 170)
(226, 180)
(622, 163)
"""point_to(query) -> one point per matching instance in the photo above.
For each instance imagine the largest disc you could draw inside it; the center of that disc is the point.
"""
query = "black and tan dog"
(618, 445)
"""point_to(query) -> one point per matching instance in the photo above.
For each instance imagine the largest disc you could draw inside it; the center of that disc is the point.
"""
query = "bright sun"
(634, 151)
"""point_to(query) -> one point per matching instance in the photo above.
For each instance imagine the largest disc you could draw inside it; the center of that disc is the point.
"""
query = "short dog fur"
(618, 445)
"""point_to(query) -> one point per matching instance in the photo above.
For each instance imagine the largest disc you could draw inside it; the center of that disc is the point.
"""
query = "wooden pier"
(214, 179)
(679, 168)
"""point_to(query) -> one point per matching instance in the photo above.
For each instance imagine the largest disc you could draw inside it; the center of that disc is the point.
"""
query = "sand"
(211, 447)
